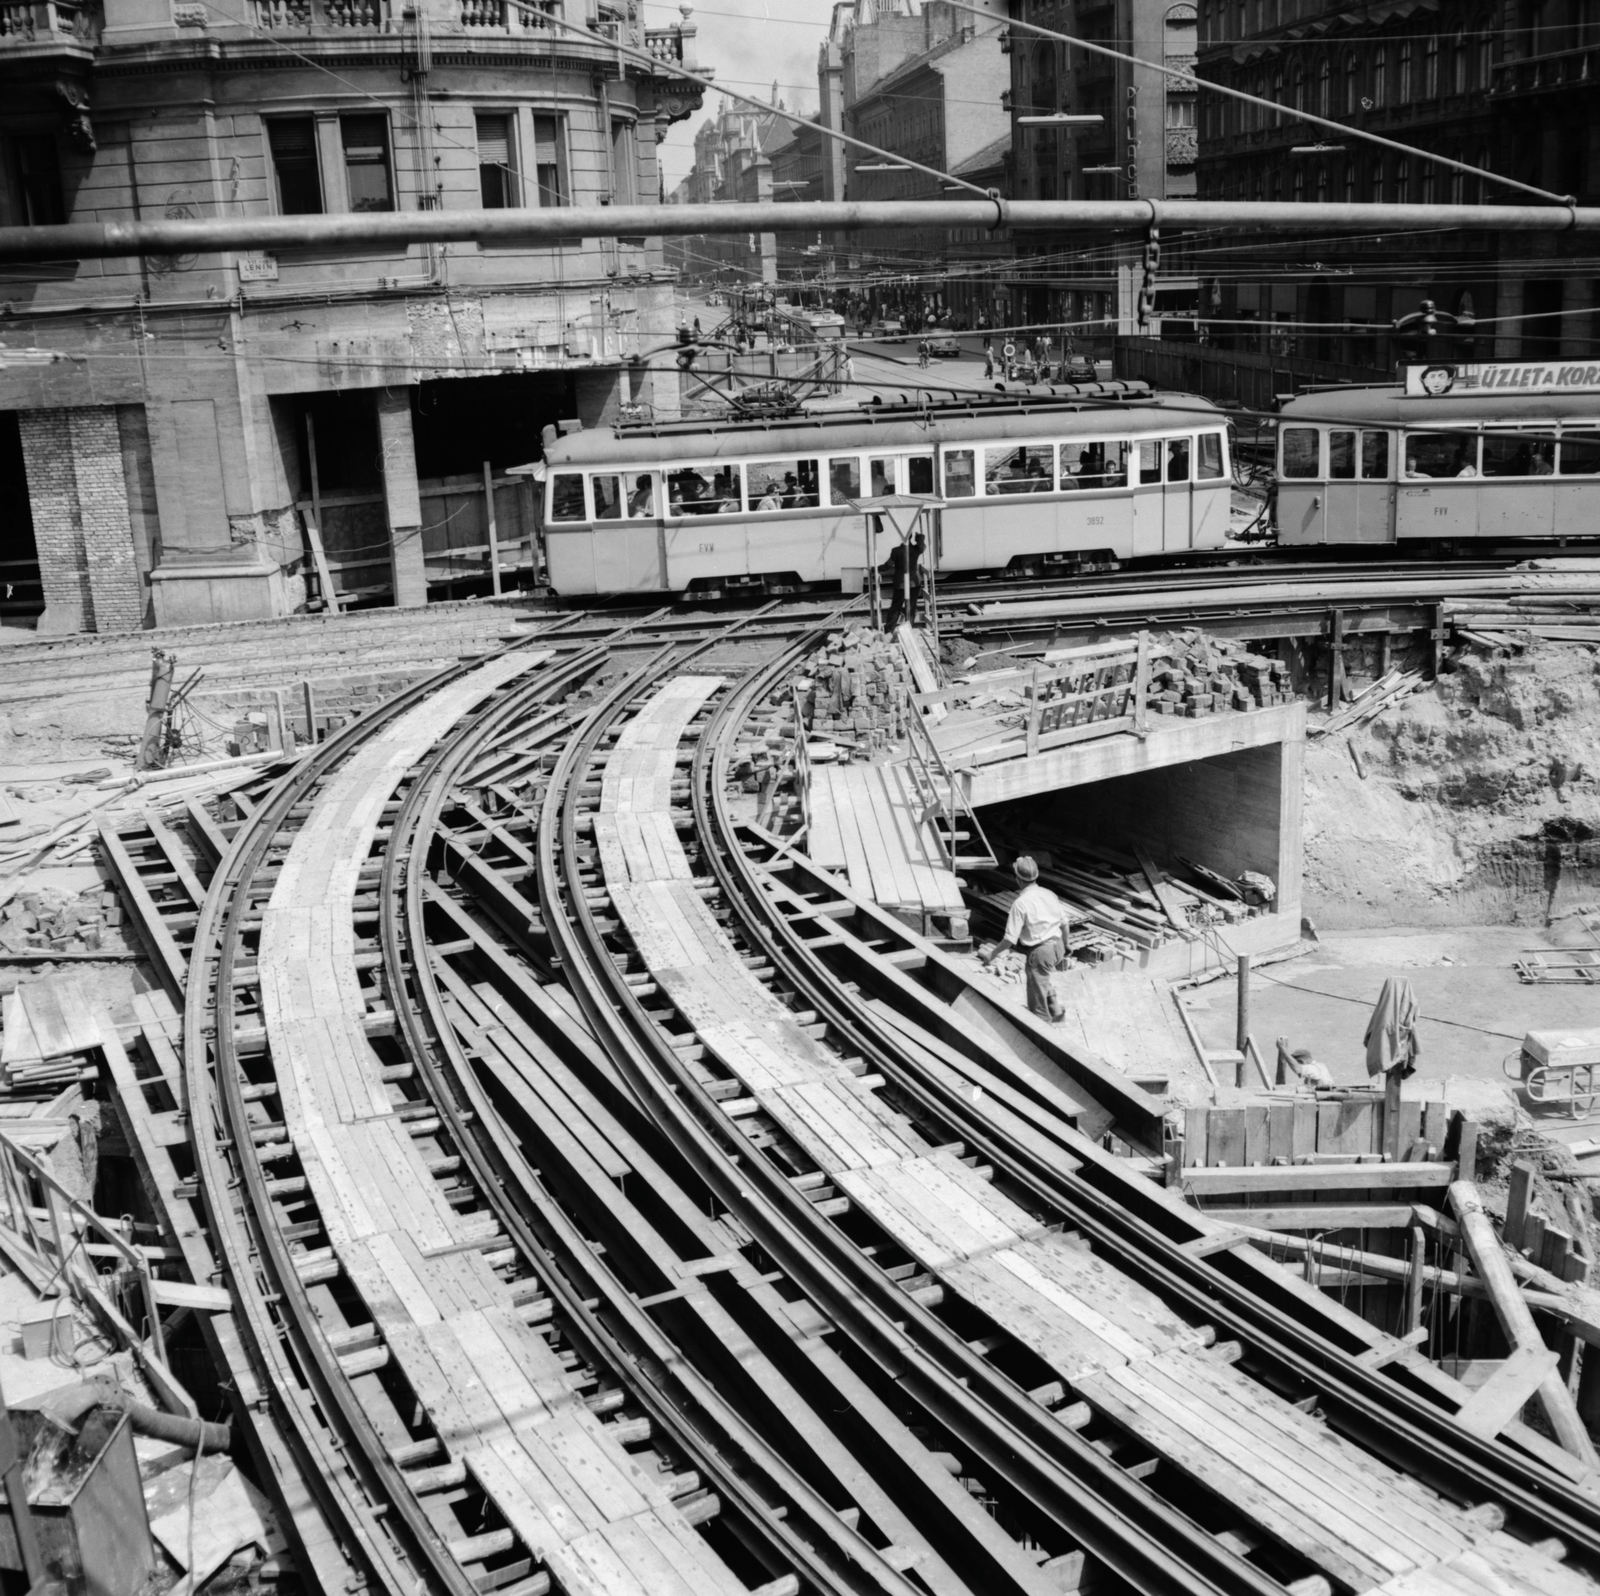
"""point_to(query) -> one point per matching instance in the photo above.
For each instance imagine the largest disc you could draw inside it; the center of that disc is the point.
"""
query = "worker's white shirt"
(1035, 917)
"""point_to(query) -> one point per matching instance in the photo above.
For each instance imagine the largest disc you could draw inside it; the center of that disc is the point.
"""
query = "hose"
(66, 1407)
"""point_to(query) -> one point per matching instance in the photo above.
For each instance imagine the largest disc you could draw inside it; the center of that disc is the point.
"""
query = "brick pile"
(48, 920)
(1203, 675)
(855, 689)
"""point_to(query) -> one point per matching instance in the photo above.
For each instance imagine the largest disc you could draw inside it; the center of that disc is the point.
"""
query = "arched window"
(1458, 65)
(1380, 75)
(1324, 86)
(1458, 182)
(1299, 187)
(1404, 86)
(1430, 68)
(1299, 87)
(1430, 184)
(1277, 98)
(1485, 54)
(1481, 184)
(1322, 185)
(1352, 84)
(1350, 182)
(1377, 180)
(1402, 181)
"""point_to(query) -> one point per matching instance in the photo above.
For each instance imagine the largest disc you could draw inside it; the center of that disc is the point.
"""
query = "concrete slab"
(1475, 1010)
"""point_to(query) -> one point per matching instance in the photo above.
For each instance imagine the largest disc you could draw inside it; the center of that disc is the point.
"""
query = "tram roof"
(882, 427)
(1391, 406)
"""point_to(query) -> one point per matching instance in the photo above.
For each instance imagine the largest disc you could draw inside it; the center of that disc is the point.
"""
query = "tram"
(1506, 451)
(1030, 481)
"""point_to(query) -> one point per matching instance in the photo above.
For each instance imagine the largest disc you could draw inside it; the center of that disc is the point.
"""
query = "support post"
(1391, 1117)
(1516, 1321)
(162, 668)
(489, 523)
(1414, 1278)
(402, 501)
(319, 551)
(1241, 1032)
(1335, 658)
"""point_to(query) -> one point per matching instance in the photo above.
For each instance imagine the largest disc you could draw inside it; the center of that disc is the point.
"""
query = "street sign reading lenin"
(1520, 376)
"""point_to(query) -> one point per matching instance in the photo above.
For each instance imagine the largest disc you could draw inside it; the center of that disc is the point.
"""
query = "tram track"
(805, 1395)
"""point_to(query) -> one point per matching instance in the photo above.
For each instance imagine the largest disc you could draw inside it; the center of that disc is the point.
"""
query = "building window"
(1350, 182)
(1380, 76)
(1277, 99)
(1376, 183)
(1324, 84)
(1404, 97)
(1180, 113)
(550, 162)
(1458, 66)
(1299, 188)
(1485, 61)
(497, 184)
(1352, 85)
(1481, 184)
(296, 177)
(1299, 88)
(1430, 69)
(1402, 181)
(624, 164)
(1458, 182)
(33, 176)
(366, 162)
(1322, 185)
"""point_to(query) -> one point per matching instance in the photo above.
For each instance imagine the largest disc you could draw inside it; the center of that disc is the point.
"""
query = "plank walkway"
(866, 823)
(1115, 1343)
(494, 1390)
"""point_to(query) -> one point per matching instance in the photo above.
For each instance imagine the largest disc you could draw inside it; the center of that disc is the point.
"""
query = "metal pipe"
(366, 229)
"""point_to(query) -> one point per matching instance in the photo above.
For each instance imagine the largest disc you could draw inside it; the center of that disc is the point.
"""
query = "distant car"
(888, 331)
(945, 348)
(1078, 368)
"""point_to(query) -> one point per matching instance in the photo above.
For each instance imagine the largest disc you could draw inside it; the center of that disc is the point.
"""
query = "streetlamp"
(1061, 119)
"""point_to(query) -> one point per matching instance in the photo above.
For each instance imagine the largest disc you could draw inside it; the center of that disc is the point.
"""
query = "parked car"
(888, 331)
(945, 348)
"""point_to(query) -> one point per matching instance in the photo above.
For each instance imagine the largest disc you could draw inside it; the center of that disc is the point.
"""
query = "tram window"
(1518, 454)
(1094, 465)
(1341, 455)
(1374, 455)
(1029, 468)
(1177, 459)
(1149, 461)
(642, 501)
(566, 497)
(1210, 455)
(960, 475)
(1441, 454)
(782, 485)
(919, 474)
(691, 492)
(1301, 451)
(844, 479)
(1580, 454)
(607, 492)
(880, 473)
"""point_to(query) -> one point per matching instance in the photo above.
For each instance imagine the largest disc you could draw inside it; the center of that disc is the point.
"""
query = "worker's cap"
(1026, 868)
(1303, 1054)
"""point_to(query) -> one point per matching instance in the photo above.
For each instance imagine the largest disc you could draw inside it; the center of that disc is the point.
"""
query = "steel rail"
(1132, 1223)
(86, 240)
(394, 1551)
(1140, 1538)
(678, 1398)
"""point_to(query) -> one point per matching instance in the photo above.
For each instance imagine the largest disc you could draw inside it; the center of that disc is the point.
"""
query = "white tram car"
(1452, 453)
(1030, 482)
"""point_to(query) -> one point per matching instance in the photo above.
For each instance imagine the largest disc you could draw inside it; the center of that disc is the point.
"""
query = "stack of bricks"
(859, 684)
(1209, 675)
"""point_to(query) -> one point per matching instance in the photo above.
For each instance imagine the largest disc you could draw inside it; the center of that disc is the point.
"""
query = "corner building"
(172, 430)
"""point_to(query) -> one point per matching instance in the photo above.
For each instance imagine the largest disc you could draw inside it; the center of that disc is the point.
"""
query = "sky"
(748, 43)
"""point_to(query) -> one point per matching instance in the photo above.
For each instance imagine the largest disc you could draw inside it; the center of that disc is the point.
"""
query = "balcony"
(54, 27)
(1547, 74)
(369, 16)
(513, 16)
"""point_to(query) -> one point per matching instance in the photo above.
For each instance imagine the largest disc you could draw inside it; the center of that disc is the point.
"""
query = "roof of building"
(991, 155)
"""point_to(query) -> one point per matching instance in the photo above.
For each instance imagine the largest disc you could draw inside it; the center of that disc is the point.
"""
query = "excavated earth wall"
(1476, 801)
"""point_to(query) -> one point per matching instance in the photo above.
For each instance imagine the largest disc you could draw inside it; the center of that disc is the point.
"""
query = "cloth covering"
(1392, 1031)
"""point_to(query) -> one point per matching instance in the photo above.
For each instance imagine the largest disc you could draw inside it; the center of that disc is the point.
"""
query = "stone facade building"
(179, 422)
(1507, 85)
(1144, 146)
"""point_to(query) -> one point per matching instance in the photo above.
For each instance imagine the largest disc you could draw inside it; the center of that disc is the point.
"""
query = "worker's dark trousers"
(1044, 958)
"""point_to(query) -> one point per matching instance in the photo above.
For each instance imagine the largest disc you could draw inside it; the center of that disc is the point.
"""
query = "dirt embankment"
(1479, 803)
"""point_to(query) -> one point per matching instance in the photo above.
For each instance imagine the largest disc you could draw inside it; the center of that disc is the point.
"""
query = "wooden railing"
(947, 812)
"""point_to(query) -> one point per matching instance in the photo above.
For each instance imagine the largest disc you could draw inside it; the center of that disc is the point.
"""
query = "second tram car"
(1507, 451)
(1030, 482)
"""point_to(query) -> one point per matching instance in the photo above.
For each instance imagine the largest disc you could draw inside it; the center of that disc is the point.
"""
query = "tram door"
(1149, 497)
(1177, 495)
(1360, 496)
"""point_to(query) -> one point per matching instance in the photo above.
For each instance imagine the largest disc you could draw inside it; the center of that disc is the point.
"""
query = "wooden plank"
(1164, 895)
(1225, 1139)
(62, 1020)
(1318, 1217)
(1507, 1391)
(823, 842)
(1196, 1136)
(1305, 1128)
(1280, 1132)
(1318, 1177)
(1256, 1134)
(1345, 1127)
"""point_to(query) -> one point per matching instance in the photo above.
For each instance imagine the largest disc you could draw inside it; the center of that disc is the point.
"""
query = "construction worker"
(1036, 928)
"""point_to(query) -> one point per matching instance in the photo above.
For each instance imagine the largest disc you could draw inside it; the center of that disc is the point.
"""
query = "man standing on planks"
(1036, 927)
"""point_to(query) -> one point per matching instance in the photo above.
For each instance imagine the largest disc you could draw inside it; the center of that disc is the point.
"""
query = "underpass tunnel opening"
(20, 592)
(1224, 830)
